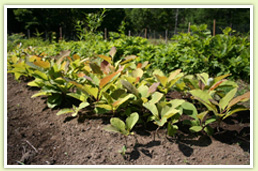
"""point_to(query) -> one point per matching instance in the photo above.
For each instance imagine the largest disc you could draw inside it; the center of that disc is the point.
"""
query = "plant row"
(193, 53)
(128, 90)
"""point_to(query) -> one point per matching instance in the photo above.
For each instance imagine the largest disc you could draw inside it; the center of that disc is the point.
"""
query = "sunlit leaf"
(106, 58)
(106, 79)
(173, 74)
(128, 59)
(119, 124)
(162, 79)
(131, 120)
(224, 102)
(195, 128)
(65, 111)
(112, 52)
(243, 97)
(153, 87)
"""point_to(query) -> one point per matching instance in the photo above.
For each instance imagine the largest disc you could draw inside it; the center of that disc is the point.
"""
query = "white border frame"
(129, 6)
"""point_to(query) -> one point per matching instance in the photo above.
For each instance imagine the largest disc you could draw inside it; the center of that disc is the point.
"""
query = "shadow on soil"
(135, 154)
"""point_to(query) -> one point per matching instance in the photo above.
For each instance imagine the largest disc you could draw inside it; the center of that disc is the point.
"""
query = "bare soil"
(37, 136)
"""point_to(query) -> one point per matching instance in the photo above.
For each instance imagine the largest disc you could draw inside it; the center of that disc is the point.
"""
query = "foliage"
(113, 78)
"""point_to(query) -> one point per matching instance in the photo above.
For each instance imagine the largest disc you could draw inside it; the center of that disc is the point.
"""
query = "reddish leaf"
(105, 67)
(216, 84)
(153, 87)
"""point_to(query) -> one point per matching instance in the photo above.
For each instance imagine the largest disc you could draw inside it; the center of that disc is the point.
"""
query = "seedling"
(124, 128)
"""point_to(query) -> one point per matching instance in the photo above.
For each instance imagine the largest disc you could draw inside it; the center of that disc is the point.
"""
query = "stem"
(156, 132)
(125, 141)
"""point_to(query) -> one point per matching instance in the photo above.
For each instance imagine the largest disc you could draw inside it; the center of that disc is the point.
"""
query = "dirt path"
(36, 136)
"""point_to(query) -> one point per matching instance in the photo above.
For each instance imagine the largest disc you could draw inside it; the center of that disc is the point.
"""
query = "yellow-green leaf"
(173, 74)
(224, 102)
(162, 79)
(106, 58)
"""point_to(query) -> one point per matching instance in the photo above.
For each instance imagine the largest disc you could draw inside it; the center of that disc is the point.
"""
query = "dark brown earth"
(37, 136)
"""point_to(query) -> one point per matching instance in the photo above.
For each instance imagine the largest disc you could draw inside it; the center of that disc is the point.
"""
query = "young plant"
(200, 122)
(167, 82)
(224, 107)
(124, 128)
(49, 77)
(74, 111)
(162, 111)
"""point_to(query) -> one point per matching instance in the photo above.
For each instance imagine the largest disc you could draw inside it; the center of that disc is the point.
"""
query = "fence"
(152, 34)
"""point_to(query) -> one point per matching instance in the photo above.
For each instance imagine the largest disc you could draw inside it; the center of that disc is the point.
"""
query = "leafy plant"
(124, 128)
(167, 82)
(74, 111)
(200, 122)
(224, 107)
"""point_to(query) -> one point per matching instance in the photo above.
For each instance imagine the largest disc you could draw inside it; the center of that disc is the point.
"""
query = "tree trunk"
(176, 19)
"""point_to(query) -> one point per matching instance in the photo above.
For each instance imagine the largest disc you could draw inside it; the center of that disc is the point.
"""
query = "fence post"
(28, 32)
(214, 27)
(105, 30)
(189, 27)
(129, 33)
(60, 33)
(145, 33)
(166, 36)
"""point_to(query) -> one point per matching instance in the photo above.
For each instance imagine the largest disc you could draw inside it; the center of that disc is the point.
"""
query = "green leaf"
(189, 109)
(95, 68)
(54, 100)
(83, 105)
(152, 108)
(172, 129)
(223, 103)
(131, 121)
(65, 111)
(128, 59)
(40, 75)
(172, 82)
(118, 124)
(156, 97)
(143, 91)
(117, 93)
(111, 128)
(234, 111)
(202, 115)
(209, 130)
(127, 85)
(203, 77)
(106, 58)
(87, 89)
(104, 106)
(120, 101)
(137, 73)
(41, 93)
(162, 79)
(176, 102)
(195, 128)
(171, 112)
(173, 74)
(203, 97)
(210, 120)
(161, 122)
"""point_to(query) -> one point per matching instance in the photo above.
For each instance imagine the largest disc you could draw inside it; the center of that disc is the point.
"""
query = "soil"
(37, 136)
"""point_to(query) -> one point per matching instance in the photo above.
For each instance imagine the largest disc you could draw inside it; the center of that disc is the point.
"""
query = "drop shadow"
(142, 148)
